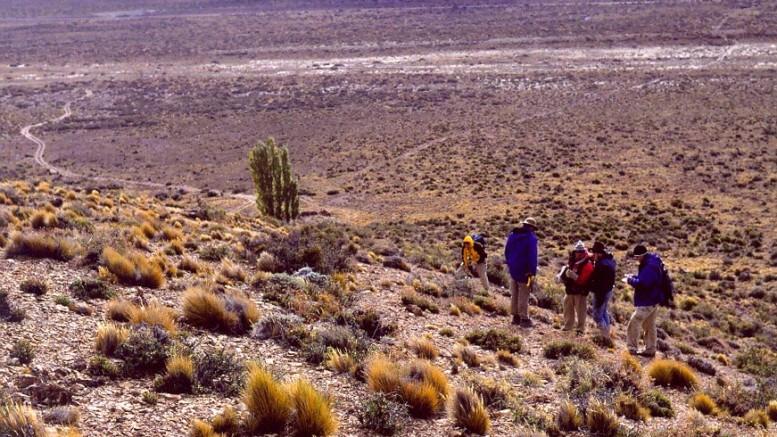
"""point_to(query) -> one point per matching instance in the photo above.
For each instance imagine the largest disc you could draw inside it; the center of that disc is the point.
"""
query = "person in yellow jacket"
(473, 258)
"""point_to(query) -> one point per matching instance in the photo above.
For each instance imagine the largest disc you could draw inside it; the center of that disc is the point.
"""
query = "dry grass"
(148, 230)
(506, 357)
(467, 411)
(43, 220)
(601, 420)
(383, 375)
(674, 374)
(312, 412)
(466, 306)
(267, 262)
(704, 404)
(181, 366)
(756, 419)
(17, 420)
(172, 234)
(176, 248)
(230, 312)
(203, 429)
(227, 422)
(190, 264)
(155, 315)
(232, 271)
(38, 246)
(630, 364)
(340, 362)
(424, 371)
(568, 417)
(120, 310)
(423, 348)
(268, 404)
(109, 338)
(133, 269)
(468, 355)
(421, 397)
(771, 411)
(631, 409)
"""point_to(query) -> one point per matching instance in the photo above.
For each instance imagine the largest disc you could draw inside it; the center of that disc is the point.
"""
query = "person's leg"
(581, 308)
(635, 328)
(569, 312)
(596, 309)
(483, 275)
(606, 325)
(523, 301)
(650, 330)
(513, 297)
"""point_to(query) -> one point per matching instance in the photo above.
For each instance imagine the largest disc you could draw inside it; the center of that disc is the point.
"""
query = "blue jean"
(600, 305)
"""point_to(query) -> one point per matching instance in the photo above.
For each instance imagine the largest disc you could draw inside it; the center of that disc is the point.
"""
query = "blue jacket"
(521, 254)
(647, 283)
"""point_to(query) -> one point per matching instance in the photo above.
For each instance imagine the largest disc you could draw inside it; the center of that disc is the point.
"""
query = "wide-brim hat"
(639, 250)
(530, 221)
(598, 247)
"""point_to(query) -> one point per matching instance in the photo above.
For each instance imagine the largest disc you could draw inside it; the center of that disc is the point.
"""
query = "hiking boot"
(647, 354)
(516, 320)
(633, 352)
(526, 323)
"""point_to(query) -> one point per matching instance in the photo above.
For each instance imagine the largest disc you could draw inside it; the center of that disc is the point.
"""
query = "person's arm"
(532, 258)
(646, 279)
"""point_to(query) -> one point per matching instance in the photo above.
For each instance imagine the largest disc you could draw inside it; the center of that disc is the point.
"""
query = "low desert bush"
(100, 366)
(382, 414)
(569, 419)
(20, 421)
(424, 348)
(491, 306)
(43, 220)
(673, 374)
(465, 305)
(631, 409)
(702, 403)
(155, 315)
(269, 405)
(219, 371)
(600, 420)
(284, 328)
(109, 338)
(64, 416)
(267, 263)
(38, 246)
(428, 288)
(658, 404)
(89, 288)
(467, 411)
(757, 361)
(133, 269)
(411, 299)
(566, 348)
(311, 411)
(229, 312)
(179, 376)
(737, 398)
(23, 351)
(497, 395)
(35, 286)
(495, 339)
(8, 311)
(325, 247)
(145, 351)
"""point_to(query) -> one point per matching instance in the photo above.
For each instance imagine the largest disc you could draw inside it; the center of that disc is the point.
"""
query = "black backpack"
(479, 239)
(667, 288)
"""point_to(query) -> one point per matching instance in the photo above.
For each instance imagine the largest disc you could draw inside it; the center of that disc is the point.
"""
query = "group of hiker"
(585, 272)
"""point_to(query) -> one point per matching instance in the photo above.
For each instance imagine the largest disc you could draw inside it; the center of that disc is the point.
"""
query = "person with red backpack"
(575, 278)
(473, 258)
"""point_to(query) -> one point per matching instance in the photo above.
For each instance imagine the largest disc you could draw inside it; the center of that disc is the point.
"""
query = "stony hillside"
(129, 314)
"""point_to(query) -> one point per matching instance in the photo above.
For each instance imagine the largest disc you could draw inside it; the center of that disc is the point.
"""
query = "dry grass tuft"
(109, 338)
(17, 420)
(227, 422)
(312, 412)
(771, 411)
(179, 376)
(421, 397)
(601, 420)
(424, 348)
(467, 411)
(229, 312)
(155, 315)
(232, 271)
(43, 220)
(340, 362)
(465, 305)
(190, 264)
(268, 404)
(383, 375)
(630, 364)
(703, 404)
(267, 262)
(757, 419)
(424, 371)
(203, 429)
(120, 310)
(631, 409)
(468, 355)
(568, 417)
(506, 357)
(172, 234)
(38, 246)
(133, 269)
(674, 374)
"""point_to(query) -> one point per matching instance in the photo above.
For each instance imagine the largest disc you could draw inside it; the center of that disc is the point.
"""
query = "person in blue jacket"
(521, 258)
(647, 297)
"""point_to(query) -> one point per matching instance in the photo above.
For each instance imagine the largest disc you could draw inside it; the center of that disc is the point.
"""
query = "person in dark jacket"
(473, 259)
(602, 285)
(521, 259)
(575, 278)
(647, 297)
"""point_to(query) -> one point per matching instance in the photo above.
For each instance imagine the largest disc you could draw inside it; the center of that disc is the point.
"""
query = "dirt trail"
(247, 199)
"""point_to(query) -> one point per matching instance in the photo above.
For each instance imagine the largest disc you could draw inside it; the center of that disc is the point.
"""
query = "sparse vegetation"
(565, 348)
(23, 351)
(38, 246)
(382, 414)
(673, 374)
(495, 339)
(269, 406)
(468, 412)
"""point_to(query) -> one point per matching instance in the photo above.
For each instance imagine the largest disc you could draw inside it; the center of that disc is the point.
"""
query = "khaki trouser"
(519, 299)
(643, 318)
(575, 305)
(481, 270)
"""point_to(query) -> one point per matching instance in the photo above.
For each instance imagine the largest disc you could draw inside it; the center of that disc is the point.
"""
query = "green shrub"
(90, 288)
(219, 371)
(381, 413)
(565, 348)
(23, 351)
(757, 361)
(495, 339)
(145, 351)
(324, 247)
(658, 404)
(35, 286)
(275, 184)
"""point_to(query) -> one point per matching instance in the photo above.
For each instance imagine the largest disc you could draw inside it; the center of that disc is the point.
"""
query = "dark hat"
(639, 250)
(598, 247)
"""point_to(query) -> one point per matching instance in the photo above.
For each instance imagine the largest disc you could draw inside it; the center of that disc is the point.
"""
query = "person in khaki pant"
(575, 278)
(521, 258)
(473, 259)
(647, 298)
